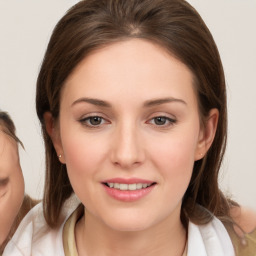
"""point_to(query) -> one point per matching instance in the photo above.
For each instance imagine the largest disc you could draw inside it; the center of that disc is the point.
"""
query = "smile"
(128, 190)
(132, 187)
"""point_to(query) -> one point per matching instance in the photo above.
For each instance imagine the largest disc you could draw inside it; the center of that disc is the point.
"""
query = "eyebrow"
(92, 101)
(151, 103)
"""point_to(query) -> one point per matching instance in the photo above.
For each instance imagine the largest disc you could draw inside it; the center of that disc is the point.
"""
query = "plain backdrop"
(25, 29)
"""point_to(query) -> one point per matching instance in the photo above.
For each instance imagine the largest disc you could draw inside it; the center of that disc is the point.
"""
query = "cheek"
(175, 152)
(173, 157)
(175, 166)
(85, 159)
(11, 202)
(83, 155)
(17, 189)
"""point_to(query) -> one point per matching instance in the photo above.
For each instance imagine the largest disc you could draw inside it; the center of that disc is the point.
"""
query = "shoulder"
(243, 230)
(244, 218)
(34, 236)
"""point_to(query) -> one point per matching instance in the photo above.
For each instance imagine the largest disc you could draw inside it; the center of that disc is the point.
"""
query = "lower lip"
(128, 195)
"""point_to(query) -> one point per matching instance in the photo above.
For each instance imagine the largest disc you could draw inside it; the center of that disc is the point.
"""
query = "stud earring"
(59, 156)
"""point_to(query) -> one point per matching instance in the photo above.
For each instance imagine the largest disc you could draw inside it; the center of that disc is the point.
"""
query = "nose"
(127, 147)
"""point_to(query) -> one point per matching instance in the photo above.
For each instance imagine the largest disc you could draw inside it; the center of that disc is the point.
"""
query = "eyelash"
(167, 121)
(87, 121)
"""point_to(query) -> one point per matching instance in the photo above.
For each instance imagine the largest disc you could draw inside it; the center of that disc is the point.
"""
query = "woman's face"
(129, 133)
(11, 184)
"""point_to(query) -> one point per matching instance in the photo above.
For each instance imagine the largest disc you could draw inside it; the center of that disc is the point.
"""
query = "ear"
(207, 134)
(54, 133)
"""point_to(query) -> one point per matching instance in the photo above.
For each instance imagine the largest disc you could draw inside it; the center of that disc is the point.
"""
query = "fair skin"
(11, 184)
(146, 129)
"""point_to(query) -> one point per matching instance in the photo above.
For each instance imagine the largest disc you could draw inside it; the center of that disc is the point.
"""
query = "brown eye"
(160, 120)
(95, 120)
(4, 182)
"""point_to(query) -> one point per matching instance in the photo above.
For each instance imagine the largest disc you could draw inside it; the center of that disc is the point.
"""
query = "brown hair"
(8, 127)
(174, 25)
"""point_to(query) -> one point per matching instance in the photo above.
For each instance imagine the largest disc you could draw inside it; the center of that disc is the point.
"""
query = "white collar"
(211, 239)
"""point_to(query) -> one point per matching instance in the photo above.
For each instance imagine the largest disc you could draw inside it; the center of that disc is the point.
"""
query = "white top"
(34, 238)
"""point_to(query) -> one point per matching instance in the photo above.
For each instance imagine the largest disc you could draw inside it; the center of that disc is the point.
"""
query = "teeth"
(123, 187)
(139, 186)
(116, 185)
(134, 186)
(144, 185)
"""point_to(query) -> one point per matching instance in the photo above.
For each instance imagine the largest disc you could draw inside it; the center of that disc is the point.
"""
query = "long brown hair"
(176, 26)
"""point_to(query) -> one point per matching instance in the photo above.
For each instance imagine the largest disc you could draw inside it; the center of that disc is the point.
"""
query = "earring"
(59, 156)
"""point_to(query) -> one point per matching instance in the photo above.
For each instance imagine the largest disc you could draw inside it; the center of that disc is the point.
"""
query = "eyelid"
(92, 114)
(83, 120)
(171, 120)
(162, 114)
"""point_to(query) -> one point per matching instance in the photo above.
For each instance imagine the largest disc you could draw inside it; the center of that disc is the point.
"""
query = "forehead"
(7, 144)
(130, 66)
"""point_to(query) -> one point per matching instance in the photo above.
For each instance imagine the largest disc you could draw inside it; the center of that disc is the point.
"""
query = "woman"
(132, 101)
(13, 204)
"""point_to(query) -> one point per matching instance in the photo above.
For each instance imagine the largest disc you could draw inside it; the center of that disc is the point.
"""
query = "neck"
(95, 238)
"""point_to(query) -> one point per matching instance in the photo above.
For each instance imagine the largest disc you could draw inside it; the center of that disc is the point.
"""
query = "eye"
(162, 121)
(4, 182)
(93, 121)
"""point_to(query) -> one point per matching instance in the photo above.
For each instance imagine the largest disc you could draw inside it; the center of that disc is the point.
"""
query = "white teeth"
(139, 186)
(123, 187)
(133, 186)
(116, 185)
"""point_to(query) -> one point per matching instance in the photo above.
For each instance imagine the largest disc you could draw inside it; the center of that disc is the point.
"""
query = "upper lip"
(128, 181)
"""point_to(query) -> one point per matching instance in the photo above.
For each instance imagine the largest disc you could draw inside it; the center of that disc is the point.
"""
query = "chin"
(128, 223)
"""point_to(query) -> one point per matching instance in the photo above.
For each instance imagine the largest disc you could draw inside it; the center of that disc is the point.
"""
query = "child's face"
(11, 184)
(129, 117)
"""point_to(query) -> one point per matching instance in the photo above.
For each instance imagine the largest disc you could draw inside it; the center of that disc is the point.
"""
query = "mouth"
(128, 190)
(128, 187)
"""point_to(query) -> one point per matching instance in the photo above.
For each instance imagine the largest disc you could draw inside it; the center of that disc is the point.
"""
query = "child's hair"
(178, 28)
(8, 127)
